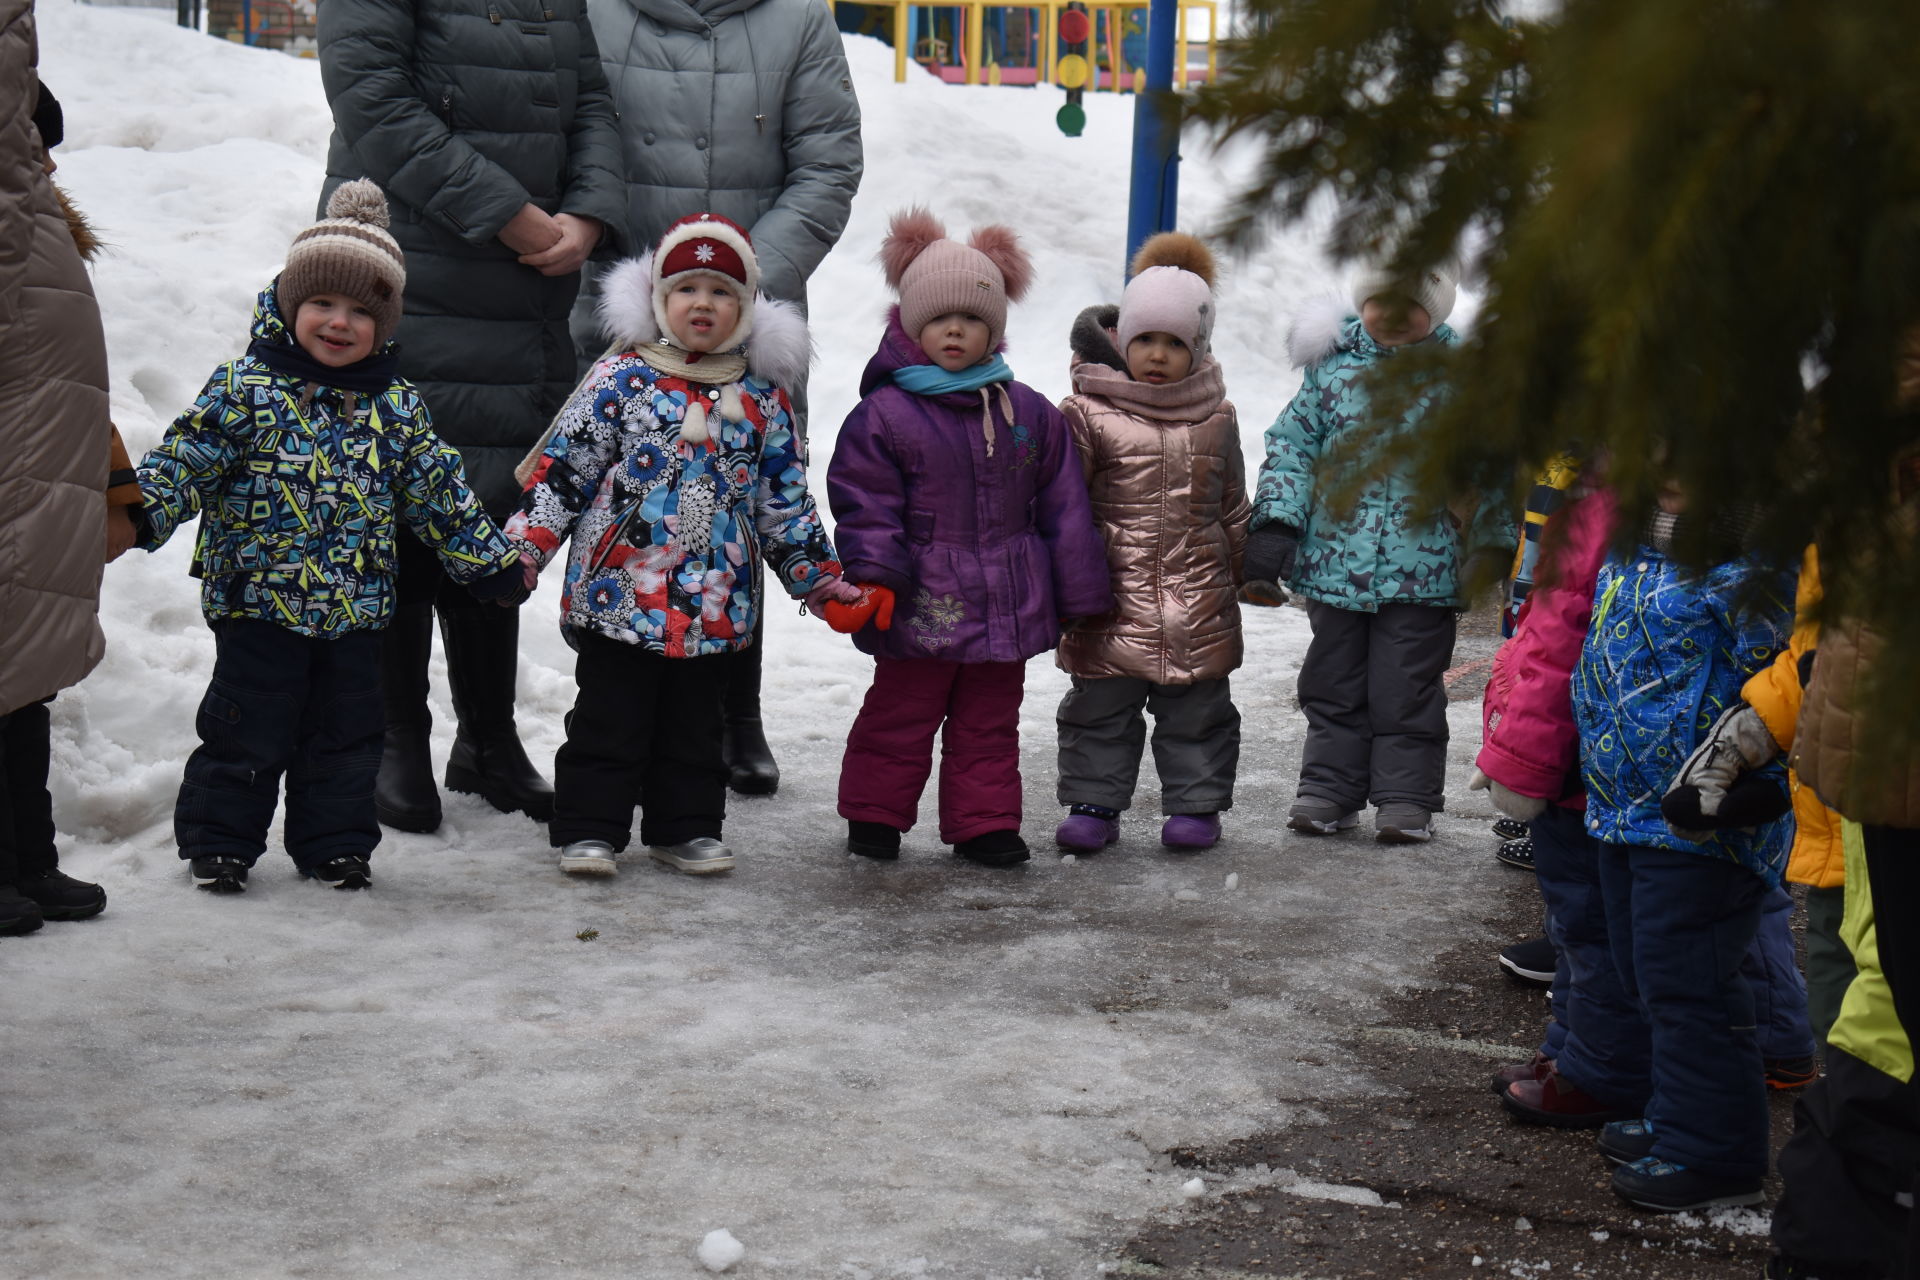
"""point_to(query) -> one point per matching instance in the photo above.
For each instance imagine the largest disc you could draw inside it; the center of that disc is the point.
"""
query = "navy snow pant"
(1680, 925)
(305, 707)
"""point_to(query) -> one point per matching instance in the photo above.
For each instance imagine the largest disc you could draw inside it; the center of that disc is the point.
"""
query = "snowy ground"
(861, 1070)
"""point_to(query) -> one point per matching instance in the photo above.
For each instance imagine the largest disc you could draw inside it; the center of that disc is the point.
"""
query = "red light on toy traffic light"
(1075, 26)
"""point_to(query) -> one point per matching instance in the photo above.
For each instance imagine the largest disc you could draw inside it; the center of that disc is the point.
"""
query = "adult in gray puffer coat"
(744, 108)
(490, 125)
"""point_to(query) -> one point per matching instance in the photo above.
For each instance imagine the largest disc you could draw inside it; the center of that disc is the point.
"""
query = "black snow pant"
(1376, 706)
(643, 725)
(26, 806)
(1196, 742)
(281, 703)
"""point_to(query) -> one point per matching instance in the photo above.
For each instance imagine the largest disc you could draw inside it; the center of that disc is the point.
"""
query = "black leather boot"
(483, 661)
(404, 796)
(751, 768)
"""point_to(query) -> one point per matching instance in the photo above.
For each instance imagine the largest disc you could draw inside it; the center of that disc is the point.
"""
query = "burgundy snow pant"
(890, 751)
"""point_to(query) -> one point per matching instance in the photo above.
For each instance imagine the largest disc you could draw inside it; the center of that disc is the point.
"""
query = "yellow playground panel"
(1069, 71)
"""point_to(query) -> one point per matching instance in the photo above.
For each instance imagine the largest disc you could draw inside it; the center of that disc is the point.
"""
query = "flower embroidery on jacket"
(935, 620)
(1026, 449)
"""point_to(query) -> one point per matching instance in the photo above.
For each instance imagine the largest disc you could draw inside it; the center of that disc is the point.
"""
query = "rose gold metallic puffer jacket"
(1168, 485)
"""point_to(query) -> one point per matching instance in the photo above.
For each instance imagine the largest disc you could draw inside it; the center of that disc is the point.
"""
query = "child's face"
(955, 341)
(1158, 358)
(335, 330)
(703, 311)
(1395, 322)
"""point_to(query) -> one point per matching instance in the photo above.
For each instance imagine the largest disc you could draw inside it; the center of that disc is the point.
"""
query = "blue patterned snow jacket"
(667, 534)
(1380, 551)
(298, 487)
(1666, 653)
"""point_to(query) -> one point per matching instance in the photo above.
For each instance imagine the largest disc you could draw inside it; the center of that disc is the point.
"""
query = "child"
(300, 456)
(674, 468)
(1160, 447)
(958, 498)
(1382, 579)
(1663, 659)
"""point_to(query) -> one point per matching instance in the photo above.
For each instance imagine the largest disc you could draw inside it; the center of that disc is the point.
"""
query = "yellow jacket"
(1818, 858)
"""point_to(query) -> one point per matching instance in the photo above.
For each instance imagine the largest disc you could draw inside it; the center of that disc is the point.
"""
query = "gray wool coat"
(743, 108)
(463, 111)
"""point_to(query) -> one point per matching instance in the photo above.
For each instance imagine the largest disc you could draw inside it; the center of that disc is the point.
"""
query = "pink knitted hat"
(934, 275)
(1171, 292)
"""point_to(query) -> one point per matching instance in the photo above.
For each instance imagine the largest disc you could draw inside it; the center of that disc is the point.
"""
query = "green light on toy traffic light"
(1072, 119)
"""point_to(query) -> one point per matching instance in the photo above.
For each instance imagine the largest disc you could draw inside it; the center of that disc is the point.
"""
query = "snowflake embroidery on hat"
(703, 253)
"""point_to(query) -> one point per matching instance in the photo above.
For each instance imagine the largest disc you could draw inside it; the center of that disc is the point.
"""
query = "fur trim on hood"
(1316, 329)
(779, 349)
(85, 239)
(1092, 337)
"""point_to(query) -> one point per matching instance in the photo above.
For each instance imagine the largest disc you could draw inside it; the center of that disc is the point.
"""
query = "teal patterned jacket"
(1666, 653)
(1383, 550)
(299, 490)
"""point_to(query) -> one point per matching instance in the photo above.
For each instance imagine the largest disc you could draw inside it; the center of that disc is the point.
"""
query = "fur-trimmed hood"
(1092, 337)
(1327, 324)
(779, 346)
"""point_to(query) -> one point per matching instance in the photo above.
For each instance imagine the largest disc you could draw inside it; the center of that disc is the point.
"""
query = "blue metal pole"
(1154, 203)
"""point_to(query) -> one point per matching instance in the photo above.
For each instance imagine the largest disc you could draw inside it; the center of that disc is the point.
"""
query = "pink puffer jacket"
(1532, 745)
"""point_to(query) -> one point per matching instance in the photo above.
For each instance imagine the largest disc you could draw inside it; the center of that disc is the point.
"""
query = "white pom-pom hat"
(348, 252)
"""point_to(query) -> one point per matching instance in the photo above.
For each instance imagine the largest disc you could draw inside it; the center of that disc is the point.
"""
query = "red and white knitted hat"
(710, 244)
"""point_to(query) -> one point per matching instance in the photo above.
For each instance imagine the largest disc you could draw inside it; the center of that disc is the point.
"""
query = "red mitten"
(849, 617)
(883, 607)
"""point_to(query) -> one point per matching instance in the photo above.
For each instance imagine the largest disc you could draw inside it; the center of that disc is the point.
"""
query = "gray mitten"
(1710, 793)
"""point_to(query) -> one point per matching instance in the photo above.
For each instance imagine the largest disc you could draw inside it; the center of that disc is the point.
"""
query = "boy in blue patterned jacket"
(300, 457)
(1666, 654)
(674, 469)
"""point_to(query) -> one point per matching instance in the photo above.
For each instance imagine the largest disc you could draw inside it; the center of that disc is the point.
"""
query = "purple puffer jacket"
(984, 553)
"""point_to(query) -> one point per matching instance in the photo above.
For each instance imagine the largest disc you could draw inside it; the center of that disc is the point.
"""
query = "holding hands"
(848, 607)
(1271, 552)
(553, 245)
(1506, 800)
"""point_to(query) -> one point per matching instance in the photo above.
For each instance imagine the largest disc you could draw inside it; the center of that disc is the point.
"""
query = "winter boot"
(344, 872)
(1088, 828)
(873, 840)
(483, 661)
(751, 768)
(1191, 831)
(1318, 816)
(61, 897)
(994, 849)
(404, 796)
(219, 875)
(18, 913)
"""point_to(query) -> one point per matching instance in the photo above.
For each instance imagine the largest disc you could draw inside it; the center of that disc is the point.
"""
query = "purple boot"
(1191, 831)
(1086, 833)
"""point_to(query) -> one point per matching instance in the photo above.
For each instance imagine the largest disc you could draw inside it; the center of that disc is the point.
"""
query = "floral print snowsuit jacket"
(667, 533)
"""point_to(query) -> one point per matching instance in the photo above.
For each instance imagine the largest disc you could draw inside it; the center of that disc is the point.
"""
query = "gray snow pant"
(1196, 743)
(1375, 704)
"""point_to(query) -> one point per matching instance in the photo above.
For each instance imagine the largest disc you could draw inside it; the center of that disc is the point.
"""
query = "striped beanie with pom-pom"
(348, 252)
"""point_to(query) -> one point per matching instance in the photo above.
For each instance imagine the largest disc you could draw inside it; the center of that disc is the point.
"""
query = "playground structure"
(1020, 44)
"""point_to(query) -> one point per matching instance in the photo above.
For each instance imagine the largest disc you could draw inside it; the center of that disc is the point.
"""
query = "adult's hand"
(121, 533)
(531, 231)
(579, 236)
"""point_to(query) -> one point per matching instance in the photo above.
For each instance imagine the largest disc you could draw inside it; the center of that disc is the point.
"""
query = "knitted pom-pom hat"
(934, 275)
(348, 252)
(1171, 292)
(1433, 289)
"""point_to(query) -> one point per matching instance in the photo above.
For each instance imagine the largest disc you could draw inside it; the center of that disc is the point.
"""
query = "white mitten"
(1506, 800)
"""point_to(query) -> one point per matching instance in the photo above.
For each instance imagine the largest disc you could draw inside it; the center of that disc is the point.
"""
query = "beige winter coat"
(1169, 491)
(53, 410)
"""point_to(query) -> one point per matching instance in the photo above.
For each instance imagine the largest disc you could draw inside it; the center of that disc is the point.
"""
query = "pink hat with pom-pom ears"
(934, 275)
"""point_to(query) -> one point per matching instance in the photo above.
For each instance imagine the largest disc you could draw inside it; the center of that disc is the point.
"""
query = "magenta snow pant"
(890, 751)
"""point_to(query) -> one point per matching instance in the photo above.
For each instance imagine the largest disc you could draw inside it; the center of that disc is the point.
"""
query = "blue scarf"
(932, 380)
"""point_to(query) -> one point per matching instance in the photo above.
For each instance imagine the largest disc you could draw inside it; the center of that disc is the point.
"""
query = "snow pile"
(719, 1250)
(882, 1070)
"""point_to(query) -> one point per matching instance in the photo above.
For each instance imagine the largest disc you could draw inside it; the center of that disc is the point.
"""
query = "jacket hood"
(268, 324)
(779, 346)
(690, 15)
(1194, 398)
(1328, 324)
(1092, 337)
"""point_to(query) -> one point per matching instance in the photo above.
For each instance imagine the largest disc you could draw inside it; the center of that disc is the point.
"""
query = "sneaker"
(993, 849)
(1312, 816)
(61, 897)
(1554, 1102)
(700, 856)
(344, 872)
(1531, 961)
(1191, 831)
(873, 840)
(1665, 1187)
(588, 858)
(1398, 822)
(1784, 1266)
(1535, 1068)
(1782, 1073)
(1087, 832)
(1505, 828)
(1624, 1141)
(18, 913)
(1517, 853)
(220, 875)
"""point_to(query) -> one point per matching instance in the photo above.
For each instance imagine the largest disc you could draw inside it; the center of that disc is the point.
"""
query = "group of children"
(978, 525)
